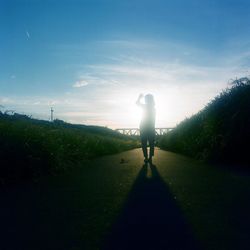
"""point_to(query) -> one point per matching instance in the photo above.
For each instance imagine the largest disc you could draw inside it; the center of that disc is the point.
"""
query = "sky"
(90, 59)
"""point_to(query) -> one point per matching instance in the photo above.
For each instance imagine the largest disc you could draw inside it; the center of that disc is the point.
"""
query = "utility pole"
(51, 114)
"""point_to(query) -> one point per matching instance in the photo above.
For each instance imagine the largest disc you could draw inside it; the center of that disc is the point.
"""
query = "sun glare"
(128, 114)
(172, 103)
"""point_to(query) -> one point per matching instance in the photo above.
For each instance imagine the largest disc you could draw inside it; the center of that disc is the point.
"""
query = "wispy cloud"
(6, 100)
(80, 83)
(27, 34)
(159, 74)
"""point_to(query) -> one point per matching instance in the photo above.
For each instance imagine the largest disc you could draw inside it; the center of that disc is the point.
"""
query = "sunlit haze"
(90, 60)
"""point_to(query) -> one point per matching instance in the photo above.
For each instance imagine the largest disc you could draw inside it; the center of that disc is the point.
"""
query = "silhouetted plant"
(220, 131)
(241, 81)
(30, 148)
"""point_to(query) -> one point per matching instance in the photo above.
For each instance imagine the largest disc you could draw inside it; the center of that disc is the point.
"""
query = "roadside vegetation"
(30, 148)
(220, 132)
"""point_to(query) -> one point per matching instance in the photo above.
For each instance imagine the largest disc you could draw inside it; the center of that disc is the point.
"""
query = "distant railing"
(136, 131)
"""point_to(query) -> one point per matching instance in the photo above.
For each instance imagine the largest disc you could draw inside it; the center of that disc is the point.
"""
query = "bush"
(219, 132)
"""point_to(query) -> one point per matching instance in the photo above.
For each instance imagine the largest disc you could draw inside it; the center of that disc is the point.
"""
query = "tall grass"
(220, 132)
(30, 148)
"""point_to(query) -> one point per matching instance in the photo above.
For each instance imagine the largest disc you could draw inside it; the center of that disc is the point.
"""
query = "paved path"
(114, 202)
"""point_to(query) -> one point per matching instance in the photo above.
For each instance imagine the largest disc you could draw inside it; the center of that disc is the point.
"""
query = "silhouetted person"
(147, 126)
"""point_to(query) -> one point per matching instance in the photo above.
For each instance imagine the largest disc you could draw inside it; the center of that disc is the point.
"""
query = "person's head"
(149, 100)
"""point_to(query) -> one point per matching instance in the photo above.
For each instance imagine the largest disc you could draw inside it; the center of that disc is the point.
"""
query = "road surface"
(116, 202)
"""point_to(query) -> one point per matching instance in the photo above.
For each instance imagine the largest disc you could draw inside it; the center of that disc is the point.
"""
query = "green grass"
(30, 148)
(219, 132)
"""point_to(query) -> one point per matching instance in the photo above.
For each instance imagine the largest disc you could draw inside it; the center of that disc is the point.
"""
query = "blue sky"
(90, 59)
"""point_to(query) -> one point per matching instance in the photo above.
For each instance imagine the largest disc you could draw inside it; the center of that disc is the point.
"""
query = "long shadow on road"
(151, 218)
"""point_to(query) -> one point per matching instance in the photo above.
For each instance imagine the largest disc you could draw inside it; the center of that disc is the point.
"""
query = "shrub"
(219, 132)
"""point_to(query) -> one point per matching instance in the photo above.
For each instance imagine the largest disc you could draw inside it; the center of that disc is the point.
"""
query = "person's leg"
(144, 146)
(151, 140)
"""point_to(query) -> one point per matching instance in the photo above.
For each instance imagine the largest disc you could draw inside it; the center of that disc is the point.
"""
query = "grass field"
(30, 148)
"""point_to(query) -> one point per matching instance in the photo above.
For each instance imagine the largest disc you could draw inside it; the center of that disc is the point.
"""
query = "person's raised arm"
(138, 102)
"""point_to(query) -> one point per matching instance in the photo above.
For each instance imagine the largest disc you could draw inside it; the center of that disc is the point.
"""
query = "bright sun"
(173, 104)
(129, 114)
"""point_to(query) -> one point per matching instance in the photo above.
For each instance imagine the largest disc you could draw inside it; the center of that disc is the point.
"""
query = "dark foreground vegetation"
(30, 148)
(220, 132)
